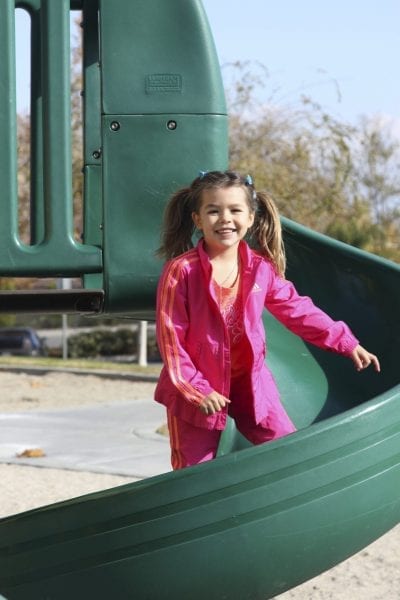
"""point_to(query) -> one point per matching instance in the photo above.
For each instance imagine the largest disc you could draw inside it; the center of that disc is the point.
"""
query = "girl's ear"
(196, 220)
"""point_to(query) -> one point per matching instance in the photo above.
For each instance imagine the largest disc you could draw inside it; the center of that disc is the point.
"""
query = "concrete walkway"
(118, 439)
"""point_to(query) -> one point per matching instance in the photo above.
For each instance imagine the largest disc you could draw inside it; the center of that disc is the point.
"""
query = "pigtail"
(267, 231)
(178, 226)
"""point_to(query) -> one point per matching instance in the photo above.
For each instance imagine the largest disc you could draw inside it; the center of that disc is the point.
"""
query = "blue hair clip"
(202, 174)
(248, 180)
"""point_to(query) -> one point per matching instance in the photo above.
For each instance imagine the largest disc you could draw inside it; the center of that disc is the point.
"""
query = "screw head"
(115, 126)
(96, 153)
(172, 125)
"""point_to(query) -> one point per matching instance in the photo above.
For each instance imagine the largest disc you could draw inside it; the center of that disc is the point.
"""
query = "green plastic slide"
(256, 521)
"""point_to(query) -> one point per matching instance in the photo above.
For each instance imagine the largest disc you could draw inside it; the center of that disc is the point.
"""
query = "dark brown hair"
(178, 225)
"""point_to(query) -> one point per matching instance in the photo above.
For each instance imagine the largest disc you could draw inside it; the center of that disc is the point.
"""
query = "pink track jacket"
(194, 341)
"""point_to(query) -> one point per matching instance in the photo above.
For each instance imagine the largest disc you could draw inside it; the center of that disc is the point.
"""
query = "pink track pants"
(192, 445)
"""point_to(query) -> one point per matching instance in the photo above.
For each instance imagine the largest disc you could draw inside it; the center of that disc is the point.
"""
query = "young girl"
(209, 307)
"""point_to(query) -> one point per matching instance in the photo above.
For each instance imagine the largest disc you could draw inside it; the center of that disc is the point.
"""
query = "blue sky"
(317, 48)
(344, 54)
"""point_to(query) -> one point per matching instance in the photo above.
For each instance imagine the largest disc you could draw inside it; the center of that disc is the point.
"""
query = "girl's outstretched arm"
(363, 359)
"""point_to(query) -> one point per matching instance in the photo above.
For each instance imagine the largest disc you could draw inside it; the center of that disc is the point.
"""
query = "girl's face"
(224, 217)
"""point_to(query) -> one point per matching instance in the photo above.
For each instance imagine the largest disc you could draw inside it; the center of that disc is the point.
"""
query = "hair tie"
(248, 180)
(202, 174)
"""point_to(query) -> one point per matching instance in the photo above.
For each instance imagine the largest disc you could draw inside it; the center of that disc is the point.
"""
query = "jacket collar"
(248, 258)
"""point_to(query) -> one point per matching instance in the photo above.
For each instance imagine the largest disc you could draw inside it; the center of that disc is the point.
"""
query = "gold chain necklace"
(235, 266)
(220, 286)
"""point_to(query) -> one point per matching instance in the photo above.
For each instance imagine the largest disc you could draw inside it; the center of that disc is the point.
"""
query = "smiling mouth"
(226, 230)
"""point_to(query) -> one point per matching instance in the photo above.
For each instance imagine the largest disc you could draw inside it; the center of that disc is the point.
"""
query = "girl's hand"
(362, 359)
(213, 403)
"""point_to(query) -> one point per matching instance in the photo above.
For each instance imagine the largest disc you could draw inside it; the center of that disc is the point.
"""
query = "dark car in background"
(21, 341)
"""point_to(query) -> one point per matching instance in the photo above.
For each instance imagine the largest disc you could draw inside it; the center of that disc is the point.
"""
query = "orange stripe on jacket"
(167, 336)
(176, 458)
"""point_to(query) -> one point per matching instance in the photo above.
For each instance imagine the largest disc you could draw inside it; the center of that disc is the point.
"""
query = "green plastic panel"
(158, 57)
(144, 162)
(93, 219)
(92, 85)
(164, 119)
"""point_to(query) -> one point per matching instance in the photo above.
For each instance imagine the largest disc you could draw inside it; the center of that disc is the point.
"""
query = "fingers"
(375, 362)
(363, 359)
(213, 403)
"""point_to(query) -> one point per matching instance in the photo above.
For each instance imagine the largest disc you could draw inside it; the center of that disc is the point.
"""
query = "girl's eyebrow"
(231, 206)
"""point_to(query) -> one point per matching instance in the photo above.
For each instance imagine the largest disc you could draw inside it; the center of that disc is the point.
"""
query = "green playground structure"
(256, 521)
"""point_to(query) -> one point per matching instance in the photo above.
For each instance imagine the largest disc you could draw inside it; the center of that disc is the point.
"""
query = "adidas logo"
(256, 288)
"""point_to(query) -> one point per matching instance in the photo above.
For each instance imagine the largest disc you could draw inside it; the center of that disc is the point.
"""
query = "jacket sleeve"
(171, 326)
(302, 317)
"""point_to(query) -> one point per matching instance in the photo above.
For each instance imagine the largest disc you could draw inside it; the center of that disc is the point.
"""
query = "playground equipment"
(257, 520)
(154, 109)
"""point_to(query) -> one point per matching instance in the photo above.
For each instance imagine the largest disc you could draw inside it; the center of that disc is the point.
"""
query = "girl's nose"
(225, 217)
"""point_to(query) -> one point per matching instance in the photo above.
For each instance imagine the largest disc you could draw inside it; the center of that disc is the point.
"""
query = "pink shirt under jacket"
(194, 341)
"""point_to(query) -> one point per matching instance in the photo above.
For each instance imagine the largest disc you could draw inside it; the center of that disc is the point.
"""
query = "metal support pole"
(66, 284)
(142, 344)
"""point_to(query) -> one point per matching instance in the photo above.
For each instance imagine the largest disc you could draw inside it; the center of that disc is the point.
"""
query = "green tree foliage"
(77, 136)
(102, 342)
(107, 342)
(339, 179)
(24, 176)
